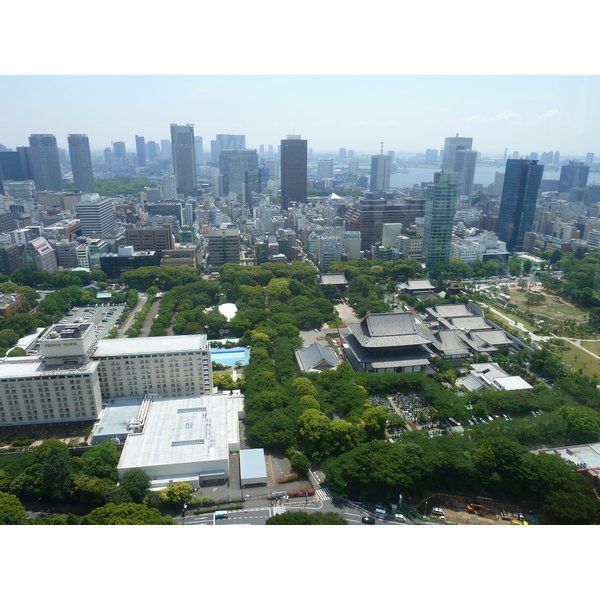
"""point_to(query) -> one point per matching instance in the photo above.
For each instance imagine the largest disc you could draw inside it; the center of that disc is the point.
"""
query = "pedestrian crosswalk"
(278, 510)
(324, 494)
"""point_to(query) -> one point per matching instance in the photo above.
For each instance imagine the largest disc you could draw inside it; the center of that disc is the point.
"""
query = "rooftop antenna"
(381, 148)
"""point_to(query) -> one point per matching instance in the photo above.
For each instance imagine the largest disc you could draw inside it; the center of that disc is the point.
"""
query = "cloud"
(549, 114)
(505, 115)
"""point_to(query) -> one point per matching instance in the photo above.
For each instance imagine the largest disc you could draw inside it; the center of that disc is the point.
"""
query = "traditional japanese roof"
(316, 357)
(387, 330)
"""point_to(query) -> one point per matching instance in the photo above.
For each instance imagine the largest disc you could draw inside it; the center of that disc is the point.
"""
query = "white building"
(184, 439)
(75, 373)
(130, 367)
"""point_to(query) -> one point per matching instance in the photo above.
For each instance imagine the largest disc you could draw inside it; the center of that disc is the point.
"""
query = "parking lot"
(102, 316)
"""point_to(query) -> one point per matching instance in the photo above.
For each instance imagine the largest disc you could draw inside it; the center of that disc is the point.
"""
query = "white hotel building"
(75, 373)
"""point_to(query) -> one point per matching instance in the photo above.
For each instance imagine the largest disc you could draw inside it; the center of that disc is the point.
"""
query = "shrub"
(22, 443)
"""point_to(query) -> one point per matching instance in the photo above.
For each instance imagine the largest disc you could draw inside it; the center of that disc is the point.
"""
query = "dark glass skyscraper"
(184, 158)
(575, 174)
(294, 157)
(81, 163)
(45, 162)
(140, 150)
(522, 181)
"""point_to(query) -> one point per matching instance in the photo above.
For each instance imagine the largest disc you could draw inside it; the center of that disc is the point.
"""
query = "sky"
(408, 113)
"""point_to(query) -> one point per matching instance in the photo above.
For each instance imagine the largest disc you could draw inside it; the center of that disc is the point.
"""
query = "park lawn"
(553, 308)
(592, 346)
(578, 359)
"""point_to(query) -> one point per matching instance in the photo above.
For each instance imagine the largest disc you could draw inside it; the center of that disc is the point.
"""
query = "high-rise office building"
(589, 159)
(166, 151)
(226, 141)
(381, 171)
(294, 157)
(153, 151)
(464, 166)
(451, 146)
(199, 148)
(45, 162)
(96, 215)
(184, 158)
(431, 156)
(11, 168)
(324, 168)
(234, 165)
(81, 163)
(440, 206)
(522, 181)
(575, 174)
(342, 153)
(140, 150)
(120, 152)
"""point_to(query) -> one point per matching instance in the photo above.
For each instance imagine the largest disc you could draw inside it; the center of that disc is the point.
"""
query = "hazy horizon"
(408, 113)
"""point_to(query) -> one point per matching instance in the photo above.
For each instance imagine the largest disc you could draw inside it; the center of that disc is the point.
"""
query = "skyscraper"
(294, 153)
(184, 158)
(199, 149)
(234, 166)
(140, 149)
(324, 168)
(45, 162)
(464, 166)
(81, 163)
(459, 157)
(381, 170)
(522, 180)
(575, 174)
(165, 150)
(451, 146)
(440, 206)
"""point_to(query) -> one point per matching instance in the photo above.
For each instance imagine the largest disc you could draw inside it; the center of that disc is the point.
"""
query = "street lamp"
(425, 515)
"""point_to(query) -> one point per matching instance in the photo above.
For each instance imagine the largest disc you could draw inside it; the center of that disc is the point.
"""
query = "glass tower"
(440, 206)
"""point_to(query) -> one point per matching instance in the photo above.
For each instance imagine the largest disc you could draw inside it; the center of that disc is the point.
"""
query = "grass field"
(592, 345)
(578, 359)
(552, 308)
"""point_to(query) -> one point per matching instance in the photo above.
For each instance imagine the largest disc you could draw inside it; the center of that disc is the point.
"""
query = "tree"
(12, 512)
(299, 517)
(18, 351)
(177, 494)
(126, 514)
(55, 468)
(102, 460)
(136, 483)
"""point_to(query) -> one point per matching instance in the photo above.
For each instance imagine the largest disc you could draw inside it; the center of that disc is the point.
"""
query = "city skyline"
(407, 113)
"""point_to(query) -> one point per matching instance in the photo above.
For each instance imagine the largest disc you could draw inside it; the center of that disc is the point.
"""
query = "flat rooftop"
(585, 456)
(150, 345)
(26, 366)
(184, 430)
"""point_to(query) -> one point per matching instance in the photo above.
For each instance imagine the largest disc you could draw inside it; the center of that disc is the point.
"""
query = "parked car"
(368, 520)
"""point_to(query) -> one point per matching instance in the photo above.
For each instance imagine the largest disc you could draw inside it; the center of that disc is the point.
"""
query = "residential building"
(10, 303)
(294, 156)
(440, 207)
(522, 180)
(184, 159)
(45, 162)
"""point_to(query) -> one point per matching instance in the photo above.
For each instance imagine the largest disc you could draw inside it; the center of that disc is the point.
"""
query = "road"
(125, 326)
